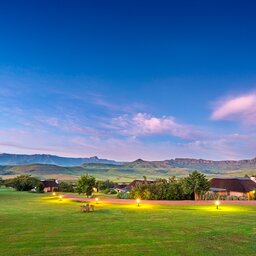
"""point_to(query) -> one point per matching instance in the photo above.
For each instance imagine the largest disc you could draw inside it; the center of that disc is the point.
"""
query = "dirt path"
(163, 202)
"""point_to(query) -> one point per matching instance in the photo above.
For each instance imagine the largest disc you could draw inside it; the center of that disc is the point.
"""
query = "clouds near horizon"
(82, 121)
(241, 108)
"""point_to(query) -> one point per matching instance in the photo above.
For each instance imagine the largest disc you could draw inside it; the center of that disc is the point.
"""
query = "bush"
(103, 185)
(212, 196)
(40, 188)
(113, 192)
(106, 191)
(123, 195)
(66, 187)
(161, 189)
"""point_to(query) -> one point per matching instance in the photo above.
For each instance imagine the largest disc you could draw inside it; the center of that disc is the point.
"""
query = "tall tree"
(197, 184)
(85, 185)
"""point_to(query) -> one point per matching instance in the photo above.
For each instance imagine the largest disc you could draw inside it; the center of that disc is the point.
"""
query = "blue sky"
(128, 79)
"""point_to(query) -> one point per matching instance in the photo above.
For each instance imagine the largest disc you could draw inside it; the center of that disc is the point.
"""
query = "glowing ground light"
(138, 202)
(217, 203)
(60, 198)
(97, 200)
(54, 194)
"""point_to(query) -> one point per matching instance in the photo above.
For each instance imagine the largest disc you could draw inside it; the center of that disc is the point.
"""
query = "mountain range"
(18, 159)
(69, 168)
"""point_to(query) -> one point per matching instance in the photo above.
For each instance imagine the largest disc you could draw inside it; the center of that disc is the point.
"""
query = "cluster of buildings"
(239, 187)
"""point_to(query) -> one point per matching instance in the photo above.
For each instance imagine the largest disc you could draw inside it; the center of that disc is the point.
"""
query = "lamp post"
(54, 194)
(217, 203)
(138, 202)
(97, 200)
(60, 198)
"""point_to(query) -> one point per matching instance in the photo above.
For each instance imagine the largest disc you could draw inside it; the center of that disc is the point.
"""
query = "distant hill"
(72, 168)
(201, 164)
(139, 163)
(17, 159)
(113, 172)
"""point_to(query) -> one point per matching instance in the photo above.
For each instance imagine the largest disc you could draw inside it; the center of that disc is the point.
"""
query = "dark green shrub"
(66, 187)
(106, 191)
(23, 183)
(40, 188)
(123, 195)
(103, 185)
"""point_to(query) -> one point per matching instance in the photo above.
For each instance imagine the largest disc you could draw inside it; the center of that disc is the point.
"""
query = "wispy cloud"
(143, 124)
(241, 108)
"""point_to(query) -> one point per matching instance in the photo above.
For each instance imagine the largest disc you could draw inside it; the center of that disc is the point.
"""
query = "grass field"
(38, 224)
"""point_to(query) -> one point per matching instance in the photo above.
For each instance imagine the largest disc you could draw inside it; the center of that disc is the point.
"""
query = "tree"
(23, 182)
(141, 191)
(66, 187)
(174, 189)
(197, 184)
(1, 182)
(103, 185)
(85, 185)
(40, 188)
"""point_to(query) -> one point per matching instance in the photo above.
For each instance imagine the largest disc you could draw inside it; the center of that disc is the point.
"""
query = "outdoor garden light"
(97, 200)
(138, 202)
(60, 197)
(54, 194)
(217, 204)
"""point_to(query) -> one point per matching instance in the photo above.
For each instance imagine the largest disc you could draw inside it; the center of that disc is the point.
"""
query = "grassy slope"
(105, 171)
(33, 224)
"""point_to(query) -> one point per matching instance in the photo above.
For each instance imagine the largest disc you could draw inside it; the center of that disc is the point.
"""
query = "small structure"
(240, 187)
(50, 185)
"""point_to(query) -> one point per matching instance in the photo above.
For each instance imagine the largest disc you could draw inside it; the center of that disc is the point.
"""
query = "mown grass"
(38, 224)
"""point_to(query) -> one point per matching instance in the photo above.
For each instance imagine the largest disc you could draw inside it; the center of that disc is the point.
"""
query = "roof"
(243, 185)
(50, 183)
(133, 183)
(148, 180)
(120, 186)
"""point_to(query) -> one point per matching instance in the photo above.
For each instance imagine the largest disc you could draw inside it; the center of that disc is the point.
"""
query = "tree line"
(85, 185)
(192, 187)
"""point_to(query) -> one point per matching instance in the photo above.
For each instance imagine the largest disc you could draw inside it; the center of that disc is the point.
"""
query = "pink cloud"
(241, 108)
(142, 124)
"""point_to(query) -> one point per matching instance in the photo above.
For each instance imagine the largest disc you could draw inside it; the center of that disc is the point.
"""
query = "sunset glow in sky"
(128, 79)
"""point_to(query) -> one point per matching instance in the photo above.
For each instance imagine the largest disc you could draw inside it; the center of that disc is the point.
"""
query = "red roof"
(133, 183)
(50, 183)
(243, 185)
(120, 186)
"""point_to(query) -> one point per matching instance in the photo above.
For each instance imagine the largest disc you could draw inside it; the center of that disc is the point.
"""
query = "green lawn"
(38, 224)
